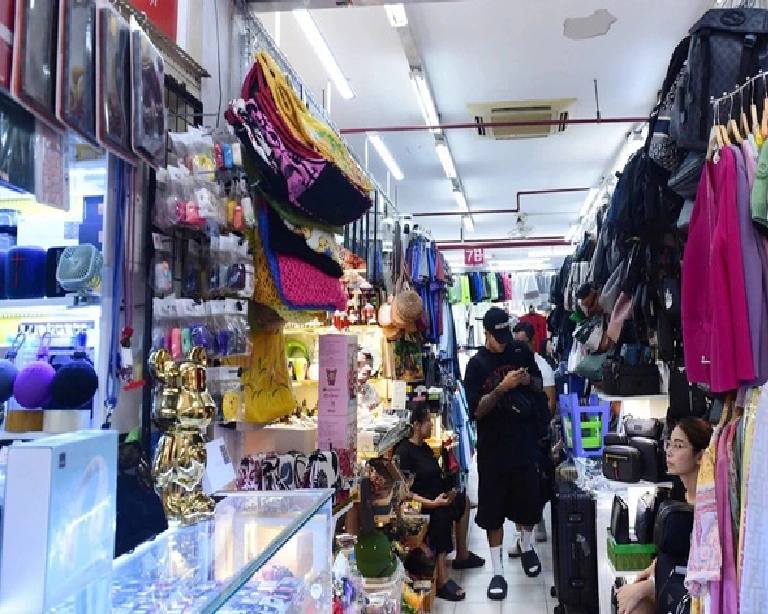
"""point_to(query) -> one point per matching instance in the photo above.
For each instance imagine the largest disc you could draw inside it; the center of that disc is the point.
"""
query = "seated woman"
(443, 506)
(685, 449)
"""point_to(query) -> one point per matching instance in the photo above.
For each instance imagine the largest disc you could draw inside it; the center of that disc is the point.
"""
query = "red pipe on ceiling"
(476, 125)
(503, 244)
(549, 191)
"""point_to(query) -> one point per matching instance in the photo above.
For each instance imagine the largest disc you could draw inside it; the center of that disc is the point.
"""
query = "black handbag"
(615, 439)
(624, 380)
(622, 464)
(651, 458)
(645, 517)
(643, 427)
(620, 520)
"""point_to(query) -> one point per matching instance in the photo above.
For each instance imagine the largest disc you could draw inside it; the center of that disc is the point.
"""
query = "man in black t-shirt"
(504, 393)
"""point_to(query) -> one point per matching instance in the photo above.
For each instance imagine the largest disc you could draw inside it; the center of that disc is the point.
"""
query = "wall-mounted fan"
(521, 228)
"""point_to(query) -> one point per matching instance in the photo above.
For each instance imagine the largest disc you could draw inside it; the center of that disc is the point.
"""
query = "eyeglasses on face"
(676, 446)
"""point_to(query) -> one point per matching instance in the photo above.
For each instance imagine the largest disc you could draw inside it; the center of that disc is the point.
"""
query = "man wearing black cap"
(504, 394)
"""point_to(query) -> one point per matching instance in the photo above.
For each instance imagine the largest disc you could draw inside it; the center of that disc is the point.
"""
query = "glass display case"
(263, 553)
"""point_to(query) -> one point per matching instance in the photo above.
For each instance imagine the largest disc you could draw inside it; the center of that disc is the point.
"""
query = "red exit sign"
(474, 257)
(162, 13)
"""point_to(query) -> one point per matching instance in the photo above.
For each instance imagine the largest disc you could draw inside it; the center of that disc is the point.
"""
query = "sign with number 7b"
(474, 257)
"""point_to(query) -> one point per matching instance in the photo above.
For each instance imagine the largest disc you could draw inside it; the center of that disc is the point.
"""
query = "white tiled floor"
(525, 595)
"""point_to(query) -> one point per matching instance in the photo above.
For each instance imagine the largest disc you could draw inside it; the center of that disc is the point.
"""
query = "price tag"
(398, 395)
(218, 468)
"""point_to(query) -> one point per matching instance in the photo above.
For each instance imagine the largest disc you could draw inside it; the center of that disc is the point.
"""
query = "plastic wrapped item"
(147, 78)
(162, 274)
(50, 161)
(7, 26)
(113, 84)
(35, 57)
(76, 98)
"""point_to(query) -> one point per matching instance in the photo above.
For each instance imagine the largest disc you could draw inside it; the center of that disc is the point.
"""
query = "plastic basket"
(630, 557)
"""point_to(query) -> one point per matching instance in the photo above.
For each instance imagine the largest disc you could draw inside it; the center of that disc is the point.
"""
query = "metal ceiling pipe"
(519, 195)
(476, 125)
(503, 244)
(548, 191)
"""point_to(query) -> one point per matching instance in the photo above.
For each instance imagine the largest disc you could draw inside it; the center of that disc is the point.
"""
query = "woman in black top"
(443, 506)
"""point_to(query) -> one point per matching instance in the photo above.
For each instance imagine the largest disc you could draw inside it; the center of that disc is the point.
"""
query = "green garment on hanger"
(466, 297)
(494, 283)
(759, 198)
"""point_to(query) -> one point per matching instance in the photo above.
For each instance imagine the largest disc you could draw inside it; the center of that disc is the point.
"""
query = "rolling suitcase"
(574, 550)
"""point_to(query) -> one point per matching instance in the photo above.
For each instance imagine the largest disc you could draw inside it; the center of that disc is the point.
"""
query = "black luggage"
(574, 550)
(672, 536)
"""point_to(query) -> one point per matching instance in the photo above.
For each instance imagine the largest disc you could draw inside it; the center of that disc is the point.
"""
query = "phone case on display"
(574, 548)
(113, 84)
(624, 380)
(147, 78)
(7, 26)
(643, 427)
(622, 464)
(620, 520)
(35, 57)
(651, 458)
(52, 286)
(76, 99)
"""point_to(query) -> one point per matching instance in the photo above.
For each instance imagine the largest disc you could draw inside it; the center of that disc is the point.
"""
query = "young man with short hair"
(504, 394)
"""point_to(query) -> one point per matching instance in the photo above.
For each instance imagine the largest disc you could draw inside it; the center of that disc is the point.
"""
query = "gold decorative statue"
(183, 409)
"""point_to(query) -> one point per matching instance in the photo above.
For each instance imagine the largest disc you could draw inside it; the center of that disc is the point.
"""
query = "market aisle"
(525, 596)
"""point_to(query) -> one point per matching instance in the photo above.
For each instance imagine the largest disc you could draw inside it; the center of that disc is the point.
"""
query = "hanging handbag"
(591, 366)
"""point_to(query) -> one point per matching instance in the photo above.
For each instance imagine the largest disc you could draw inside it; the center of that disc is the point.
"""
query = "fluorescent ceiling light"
(396, 14)
(551, 252)
(461, 200)
(385, 155)
(468, 223)
(573, 231)
(424, 96)
(323, 52)
(446, 159)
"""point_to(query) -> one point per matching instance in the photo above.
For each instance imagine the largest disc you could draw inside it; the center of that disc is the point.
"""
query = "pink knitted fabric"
(303, 284)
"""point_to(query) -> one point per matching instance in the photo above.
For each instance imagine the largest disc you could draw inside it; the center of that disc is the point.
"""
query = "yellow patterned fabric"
(304, 126)
(751, 412)
(266, 382)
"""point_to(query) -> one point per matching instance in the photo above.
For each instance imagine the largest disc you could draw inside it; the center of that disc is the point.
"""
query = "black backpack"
(727, 47)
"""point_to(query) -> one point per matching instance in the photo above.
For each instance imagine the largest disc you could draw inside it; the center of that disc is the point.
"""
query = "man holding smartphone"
(504, 393)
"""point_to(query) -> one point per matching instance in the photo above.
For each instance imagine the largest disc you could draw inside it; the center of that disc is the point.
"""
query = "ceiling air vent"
(525, 111)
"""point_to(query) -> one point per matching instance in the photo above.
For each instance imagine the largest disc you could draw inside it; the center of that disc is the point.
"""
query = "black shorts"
(514, 495)
(441, 519)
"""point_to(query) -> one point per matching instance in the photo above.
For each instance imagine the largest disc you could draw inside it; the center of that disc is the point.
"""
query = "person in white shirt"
(524, 332)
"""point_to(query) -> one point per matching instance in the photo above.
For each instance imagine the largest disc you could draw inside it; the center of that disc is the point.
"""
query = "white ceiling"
(489, 51)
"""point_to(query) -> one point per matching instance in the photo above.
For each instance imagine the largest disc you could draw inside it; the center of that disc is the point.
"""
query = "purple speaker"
(25, 273)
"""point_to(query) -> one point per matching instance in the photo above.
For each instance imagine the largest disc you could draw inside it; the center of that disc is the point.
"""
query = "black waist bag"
(622, 464)
(651, 458)
(624, 380)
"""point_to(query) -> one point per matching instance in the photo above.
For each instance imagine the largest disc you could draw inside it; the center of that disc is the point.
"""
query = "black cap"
(496, 323)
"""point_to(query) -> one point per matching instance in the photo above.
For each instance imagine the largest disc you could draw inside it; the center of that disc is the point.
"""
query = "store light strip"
(396, 15)
(469, 224)
(385, 155)
(461, 200)
(445, 158)
(323, 52)
(424, 96)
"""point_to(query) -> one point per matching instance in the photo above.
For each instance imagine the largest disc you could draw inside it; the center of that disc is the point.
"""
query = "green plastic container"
(630, 557)
(591, 433)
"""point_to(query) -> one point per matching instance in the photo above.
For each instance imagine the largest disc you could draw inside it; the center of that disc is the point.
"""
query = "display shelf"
(29, 436)
(648, 397)
(214, 566)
